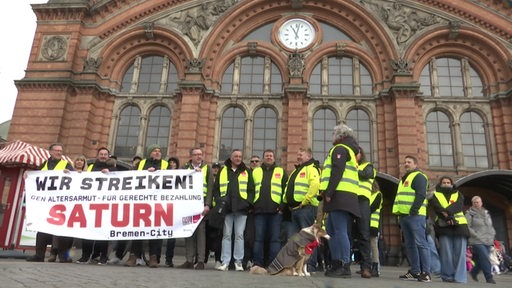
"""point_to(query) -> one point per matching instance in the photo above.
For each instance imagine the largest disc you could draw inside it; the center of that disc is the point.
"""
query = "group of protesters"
(251, 211)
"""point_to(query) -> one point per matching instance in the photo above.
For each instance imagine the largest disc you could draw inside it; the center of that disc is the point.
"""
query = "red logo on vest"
(406, 184)
(302, 174)
(277, 175)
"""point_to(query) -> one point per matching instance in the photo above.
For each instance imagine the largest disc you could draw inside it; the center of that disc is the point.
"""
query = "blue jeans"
(337, 227)
(435, 263)
(453, 258)
(482, 262)
(302, 218)
(267, 226)
(413, 229)
(236, 220)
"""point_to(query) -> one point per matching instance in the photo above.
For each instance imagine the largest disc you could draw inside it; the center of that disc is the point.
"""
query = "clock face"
(296, 33)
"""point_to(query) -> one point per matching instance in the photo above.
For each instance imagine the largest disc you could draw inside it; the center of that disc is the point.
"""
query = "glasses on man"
(255, 161)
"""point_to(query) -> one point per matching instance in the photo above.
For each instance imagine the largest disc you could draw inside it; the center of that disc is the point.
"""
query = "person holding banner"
(55, 162)
(235, 187)
(100, 247)
(197, 242)
(153, 163)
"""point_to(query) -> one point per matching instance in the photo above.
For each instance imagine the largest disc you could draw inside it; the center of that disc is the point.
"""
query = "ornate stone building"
(430, 78)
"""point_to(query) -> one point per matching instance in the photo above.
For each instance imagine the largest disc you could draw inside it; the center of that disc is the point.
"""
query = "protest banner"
(120, 205)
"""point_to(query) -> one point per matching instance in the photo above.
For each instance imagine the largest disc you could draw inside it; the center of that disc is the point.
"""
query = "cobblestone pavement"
(19, 273)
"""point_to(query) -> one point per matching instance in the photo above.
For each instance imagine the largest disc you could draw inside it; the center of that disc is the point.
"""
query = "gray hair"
(341, 131)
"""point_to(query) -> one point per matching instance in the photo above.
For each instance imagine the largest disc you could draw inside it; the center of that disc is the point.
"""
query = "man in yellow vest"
(153, 163)
(55, 162)
(339, 185)
(96, 251)
(367, 175)
(195, 245)
(234, 187)
(269, 182)
(301, 196)
(410, 206)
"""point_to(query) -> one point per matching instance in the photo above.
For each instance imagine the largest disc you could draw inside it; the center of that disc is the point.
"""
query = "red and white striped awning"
(19, 153)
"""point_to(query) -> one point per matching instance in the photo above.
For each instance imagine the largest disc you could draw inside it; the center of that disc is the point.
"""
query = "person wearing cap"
(197, 242)
(153, 163)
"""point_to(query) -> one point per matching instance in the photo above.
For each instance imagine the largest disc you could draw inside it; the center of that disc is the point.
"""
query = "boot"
(365, 273)
(153, 261)
(375, 269)
(132, 261)
(346, 271)
(335, 269)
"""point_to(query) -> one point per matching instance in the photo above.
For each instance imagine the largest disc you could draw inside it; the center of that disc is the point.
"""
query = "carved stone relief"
(195, 21)
(296, 64)
(54, 48)
(404, 21)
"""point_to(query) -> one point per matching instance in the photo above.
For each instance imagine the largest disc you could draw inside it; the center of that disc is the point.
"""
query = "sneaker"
(94, 260)
(239, 267)
(140, 262)
(169, 264)
(102, 261)
(199, 266)
(249, 264)
(409, 276)
(490, 281)
(114, 261)
(223, 267)
(52, 258)
(82, 260)
(217, 264)
(424, 277)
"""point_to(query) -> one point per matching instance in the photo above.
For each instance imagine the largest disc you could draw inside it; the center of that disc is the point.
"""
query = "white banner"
(115, 206)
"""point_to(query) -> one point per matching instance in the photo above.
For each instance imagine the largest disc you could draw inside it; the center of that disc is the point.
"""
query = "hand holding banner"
(116, 205)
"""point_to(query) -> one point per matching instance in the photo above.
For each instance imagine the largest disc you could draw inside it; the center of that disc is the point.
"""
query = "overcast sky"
(17, 27)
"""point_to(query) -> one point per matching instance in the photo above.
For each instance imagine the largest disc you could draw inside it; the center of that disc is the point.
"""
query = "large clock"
(296, 33)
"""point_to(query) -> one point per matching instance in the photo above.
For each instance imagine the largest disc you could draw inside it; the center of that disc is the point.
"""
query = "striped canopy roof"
(19, 153)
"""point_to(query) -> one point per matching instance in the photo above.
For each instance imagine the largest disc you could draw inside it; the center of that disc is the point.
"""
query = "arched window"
(359, 121)
(439, 140)
(450, 77)
(159, 123)
(151, 74)
(264, 131)
(127, 132)
(252, 75)
(232, 132)
(474, 143)
(344, 76)
(324, 121)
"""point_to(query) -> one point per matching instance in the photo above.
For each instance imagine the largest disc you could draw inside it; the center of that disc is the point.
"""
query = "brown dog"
(292, 258)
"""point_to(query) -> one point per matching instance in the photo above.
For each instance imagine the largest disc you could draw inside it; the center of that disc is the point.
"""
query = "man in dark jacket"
(269, 181)
(234, 187)
(55, 162)
(153, 163)
(102, 164)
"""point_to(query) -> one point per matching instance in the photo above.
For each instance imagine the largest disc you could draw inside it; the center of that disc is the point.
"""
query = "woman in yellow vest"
(452, 230)
(339, 185)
